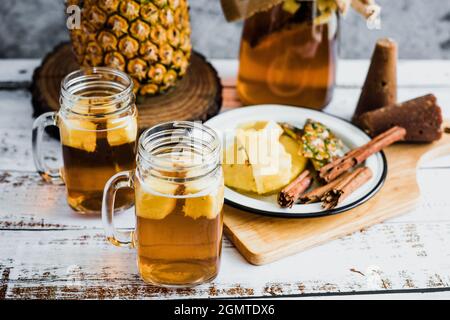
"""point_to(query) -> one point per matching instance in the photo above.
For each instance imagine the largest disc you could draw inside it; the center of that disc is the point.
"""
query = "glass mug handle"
(52, 175)
(119, 180)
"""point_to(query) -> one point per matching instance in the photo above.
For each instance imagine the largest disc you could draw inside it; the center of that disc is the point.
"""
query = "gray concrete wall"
(30, 28)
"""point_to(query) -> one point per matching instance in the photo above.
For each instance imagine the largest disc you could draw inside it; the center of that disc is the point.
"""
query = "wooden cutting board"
(262, 239)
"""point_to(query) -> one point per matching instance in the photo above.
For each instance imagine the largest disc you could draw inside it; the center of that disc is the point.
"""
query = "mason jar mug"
(179, 193)
(97, 123)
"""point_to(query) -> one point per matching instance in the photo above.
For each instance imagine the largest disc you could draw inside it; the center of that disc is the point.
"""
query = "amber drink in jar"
(97, 122)
(288, 56)
(179, 188)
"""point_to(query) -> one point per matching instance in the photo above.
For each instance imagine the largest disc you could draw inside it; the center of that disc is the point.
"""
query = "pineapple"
(148, 39)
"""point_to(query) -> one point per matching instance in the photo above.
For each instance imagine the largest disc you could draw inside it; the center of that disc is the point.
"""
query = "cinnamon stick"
(354, 157)
(290, 194)
(346, 187)
(356, 150)
(317, 194)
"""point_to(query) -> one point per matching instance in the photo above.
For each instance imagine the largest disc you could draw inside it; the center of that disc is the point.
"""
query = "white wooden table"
(47, 251)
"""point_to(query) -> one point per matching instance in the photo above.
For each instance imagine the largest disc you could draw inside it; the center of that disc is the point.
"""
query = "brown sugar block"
(421, 117)
(380, 87)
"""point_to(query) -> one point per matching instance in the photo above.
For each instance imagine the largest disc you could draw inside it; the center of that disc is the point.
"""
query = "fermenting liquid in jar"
(285, 58)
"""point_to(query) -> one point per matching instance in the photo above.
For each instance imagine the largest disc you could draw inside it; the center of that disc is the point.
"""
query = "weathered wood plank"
(420, 295)
(16, 122)
(29, 203)
(351, 73)
(49, 251)
(411, 73)
(80, 264)
(402, 240)
(15, 147)
(17, 72)
(15, 109)
(15, 150)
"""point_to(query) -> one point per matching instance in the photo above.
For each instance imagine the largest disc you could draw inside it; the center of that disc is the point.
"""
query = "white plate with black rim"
(352, 137)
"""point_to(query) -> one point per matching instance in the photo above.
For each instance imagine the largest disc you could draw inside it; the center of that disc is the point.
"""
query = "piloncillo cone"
(380, 87)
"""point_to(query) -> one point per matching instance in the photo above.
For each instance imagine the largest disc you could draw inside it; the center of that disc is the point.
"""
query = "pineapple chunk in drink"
(154, 198)
(78, 134)
(206, 200)
(121, 131)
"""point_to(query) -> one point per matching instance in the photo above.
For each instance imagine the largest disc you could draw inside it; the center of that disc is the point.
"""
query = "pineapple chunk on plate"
(299, 162)
(78, 134)
(270, 162)
(240, 172)
(153, 198)
(121, 131)
(237, 169)
(296, 116)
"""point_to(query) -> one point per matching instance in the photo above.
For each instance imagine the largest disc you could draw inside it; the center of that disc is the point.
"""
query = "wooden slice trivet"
(198, 96)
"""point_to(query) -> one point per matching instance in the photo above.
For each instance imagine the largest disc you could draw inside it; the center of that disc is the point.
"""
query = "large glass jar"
(288, 56)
